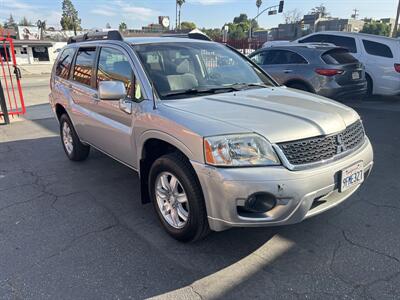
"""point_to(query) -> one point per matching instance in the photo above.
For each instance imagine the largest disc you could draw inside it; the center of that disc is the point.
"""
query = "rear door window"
(342, 41)
(64, 63)
(377, 49)
(283, 57)
(83, 69)
(338, 57)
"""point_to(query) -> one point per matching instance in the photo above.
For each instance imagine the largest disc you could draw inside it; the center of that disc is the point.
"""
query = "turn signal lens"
(328, 72)
(397, 67)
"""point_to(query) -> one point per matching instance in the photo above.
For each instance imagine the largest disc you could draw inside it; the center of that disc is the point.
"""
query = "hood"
(279, 114)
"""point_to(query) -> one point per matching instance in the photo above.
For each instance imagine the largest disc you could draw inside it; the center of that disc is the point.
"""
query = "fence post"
(3, 105)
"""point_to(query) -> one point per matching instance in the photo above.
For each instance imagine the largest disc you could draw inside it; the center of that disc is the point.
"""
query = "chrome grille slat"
(313, 150)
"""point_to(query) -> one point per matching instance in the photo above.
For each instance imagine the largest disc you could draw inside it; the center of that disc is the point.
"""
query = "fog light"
(260, 202)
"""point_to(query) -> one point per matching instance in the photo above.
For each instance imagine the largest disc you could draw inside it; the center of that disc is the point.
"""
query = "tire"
(196, 225)
(299, 86)
(74, 149)
(370, 86)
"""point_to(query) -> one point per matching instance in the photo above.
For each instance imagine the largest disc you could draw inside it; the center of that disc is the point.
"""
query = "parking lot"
(78, 230)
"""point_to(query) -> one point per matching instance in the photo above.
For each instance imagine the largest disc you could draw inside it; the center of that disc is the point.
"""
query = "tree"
(122, 26)
(42, 27)
(258, 4)
(292, 16)
(242, 18)
(214, 34)
(108, 26)
(25, 22)
(377, 28)
(10, 23)
(188, 26)
(179, 3)
(70, 19)
(321, 10)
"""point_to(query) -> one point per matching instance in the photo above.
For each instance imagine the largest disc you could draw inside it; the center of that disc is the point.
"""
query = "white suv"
(380, 55)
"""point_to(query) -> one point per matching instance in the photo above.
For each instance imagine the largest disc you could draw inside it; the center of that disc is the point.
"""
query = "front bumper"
(300, 194)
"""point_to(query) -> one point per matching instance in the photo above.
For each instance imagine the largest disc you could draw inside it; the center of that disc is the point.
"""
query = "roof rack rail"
(196, 35)
(95, 36)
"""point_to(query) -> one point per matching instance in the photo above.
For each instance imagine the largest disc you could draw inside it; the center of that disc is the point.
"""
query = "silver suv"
(216, 142)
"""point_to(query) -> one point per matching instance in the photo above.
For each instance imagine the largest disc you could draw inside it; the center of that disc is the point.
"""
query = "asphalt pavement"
(78, 231)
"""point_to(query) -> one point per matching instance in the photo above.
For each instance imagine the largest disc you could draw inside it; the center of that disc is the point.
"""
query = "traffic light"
(280, 9)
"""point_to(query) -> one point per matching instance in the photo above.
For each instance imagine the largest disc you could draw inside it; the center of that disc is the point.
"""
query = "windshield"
(190, 69)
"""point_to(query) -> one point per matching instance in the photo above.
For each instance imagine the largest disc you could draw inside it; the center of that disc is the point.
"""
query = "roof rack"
(196, 35)
(95, 36)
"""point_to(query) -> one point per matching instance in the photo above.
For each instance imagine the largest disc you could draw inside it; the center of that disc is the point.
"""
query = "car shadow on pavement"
(78, 231)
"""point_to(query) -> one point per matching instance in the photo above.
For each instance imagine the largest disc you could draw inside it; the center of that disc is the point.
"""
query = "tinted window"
(84, 65)
(114, 66)
(377, 49)
(342, 41)
(64, 63)
(338, 57)
(280, 57)
(258, 58)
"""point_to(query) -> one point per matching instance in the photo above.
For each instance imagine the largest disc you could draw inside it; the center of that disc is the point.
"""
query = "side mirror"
(112, 90)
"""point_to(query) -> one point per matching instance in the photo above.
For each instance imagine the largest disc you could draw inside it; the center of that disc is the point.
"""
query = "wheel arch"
(152, 145)
(302, 82)
(60, 110)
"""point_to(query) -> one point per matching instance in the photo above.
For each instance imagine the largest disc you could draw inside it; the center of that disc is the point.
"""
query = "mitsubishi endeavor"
(216, 142)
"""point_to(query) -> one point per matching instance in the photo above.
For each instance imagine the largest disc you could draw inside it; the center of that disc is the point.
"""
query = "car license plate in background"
(355, 75)
(351, 176)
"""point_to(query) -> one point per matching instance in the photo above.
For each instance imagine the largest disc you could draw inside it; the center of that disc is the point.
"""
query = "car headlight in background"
(239, 150)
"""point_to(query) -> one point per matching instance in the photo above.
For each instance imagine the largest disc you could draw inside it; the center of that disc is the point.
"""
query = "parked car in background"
(325, 70)
(380, 56)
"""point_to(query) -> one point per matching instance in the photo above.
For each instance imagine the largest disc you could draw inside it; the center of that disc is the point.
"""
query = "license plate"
(352, 176)
(355, 75)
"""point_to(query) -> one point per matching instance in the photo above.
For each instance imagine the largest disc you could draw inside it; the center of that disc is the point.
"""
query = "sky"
(204, 13)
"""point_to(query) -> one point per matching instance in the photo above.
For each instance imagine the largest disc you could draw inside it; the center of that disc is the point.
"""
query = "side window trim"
(124, 52)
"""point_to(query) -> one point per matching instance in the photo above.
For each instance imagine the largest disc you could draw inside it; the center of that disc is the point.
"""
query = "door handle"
(95, 97)
(287, 71)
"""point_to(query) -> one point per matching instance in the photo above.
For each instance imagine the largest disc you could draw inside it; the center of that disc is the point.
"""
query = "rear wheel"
(74, 149)
(177, 198)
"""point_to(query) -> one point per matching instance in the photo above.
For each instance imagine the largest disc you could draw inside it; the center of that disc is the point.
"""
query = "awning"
(32, 43)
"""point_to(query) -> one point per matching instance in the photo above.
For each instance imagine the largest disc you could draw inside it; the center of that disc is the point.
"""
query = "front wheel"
(177, 198)
(74, 149)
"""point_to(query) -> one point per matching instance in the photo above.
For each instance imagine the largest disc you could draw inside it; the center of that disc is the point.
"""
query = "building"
(36, 52)
(336, 24)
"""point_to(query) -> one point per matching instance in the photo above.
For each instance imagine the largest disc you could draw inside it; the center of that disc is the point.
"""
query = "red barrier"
(10, 76)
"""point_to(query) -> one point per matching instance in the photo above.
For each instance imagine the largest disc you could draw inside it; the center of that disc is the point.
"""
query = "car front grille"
(317, 149)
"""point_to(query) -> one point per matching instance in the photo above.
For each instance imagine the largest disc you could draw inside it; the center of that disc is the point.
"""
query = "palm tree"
(42, 27)
(258, 4)
(179, 4)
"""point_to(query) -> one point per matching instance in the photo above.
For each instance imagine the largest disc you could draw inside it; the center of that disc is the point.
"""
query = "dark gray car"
(325, 70)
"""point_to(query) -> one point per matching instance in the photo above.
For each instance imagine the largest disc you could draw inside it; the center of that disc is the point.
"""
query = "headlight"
(239, 150)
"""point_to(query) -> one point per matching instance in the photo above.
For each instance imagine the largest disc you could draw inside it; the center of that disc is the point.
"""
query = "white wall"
(24, 59)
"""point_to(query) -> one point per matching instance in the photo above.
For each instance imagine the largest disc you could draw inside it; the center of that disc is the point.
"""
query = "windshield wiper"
(244, 85)
(195, 91)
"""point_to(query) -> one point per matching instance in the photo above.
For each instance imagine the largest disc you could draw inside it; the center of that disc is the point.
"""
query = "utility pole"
(396, 24)
(176, 15)
(355, 15)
